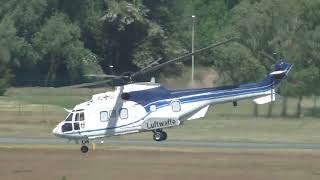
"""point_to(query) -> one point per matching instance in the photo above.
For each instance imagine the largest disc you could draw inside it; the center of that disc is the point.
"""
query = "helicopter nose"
(55, 131)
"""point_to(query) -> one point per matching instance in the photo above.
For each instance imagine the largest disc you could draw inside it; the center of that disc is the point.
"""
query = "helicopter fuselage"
(141, 107)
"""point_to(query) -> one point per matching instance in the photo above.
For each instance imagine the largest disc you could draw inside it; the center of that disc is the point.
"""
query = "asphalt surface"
(169, 143)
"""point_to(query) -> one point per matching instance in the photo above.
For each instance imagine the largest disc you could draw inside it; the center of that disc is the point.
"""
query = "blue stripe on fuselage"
(194, 95)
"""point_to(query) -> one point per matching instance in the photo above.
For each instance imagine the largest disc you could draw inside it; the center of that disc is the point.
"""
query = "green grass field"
(33, 112)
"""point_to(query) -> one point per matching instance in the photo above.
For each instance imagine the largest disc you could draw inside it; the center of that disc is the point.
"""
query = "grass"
(54, 163)
(33, 112)
(251, 130)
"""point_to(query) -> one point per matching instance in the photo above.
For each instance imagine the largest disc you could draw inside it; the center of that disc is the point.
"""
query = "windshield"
(69, 118)
(78, 116)
(73, 120)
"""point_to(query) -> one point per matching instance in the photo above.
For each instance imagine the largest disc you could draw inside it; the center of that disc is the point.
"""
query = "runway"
(168, 143)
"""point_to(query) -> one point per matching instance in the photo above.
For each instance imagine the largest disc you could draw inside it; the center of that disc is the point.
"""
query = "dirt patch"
(57, 164)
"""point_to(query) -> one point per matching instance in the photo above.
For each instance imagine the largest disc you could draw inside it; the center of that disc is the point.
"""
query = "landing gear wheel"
(164, 136)
(84, 149)
(159, 135)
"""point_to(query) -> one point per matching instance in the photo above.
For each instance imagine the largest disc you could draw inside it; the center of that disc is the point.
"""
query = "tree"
(25, 18)
(61, 51)
(109, 32)
(28, 15)
(7, 33)
(4, 70)
(211, 18)
(277, 26)
(304, 48)
(11, 48)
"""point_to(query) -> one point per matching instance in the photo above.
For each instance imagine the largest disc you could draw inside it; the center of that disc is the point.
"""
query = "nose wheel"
(84, 148)
(159, 135)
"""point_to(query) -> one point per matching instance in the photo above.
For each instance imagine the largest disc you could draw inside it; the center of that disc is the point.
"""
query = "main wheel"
(158, 136)
(84, 149)
(164, 136)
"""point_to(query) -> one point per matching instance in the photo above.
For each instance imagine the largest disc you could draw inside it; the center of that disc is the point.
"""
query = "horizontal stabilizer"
(267, 99)
(278, 72)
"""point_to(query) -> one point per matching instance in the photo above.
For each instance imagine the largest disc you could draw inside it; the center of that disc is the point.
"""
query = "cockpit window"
(69, 118)
(66, 127)
(78, 116)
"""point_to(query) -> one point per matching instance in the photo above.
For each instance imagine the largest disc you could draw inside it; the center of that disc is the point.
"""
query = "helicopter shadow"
(113, 121)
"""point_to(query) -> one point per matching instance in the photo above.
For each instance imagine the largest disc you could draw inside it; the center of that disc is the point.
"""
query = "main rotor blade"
(156, 67)
(84, 85)
(103, 76)
(152, 64)
(151, 67)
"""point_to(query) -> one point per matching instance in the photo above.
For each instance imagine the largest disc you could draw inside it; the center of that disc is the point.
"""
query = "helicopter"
(150, 107)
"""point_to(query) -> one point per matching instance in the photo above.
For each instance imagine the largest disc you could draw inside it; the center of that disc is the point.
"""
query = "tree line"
(57, 42)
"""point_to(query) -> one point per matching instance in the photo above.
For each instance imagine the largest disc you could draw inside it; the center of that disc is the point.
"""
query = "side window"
(153, 108)
(123, 113)
(104, 116)
(82, 116)
(76, 126)
(113, 114)
(176, 106)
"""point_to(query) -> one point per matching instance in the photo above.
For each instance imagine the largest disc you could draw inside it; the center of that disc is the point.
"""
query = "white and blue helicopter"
(150, 107)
